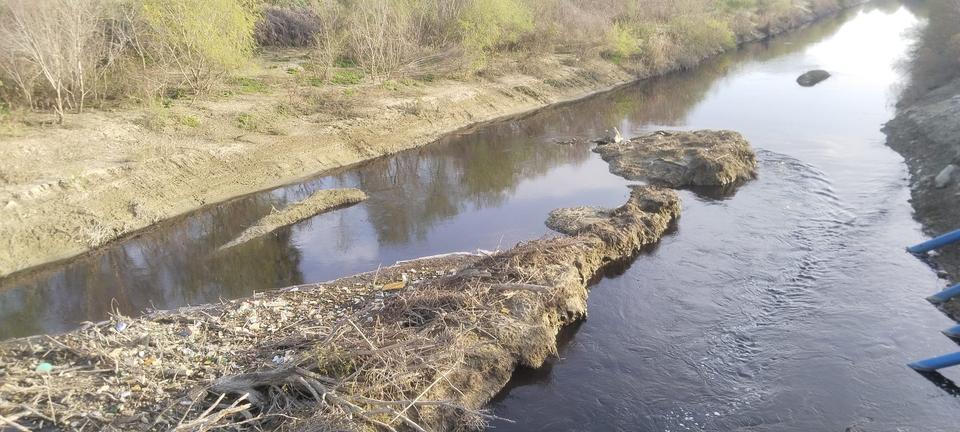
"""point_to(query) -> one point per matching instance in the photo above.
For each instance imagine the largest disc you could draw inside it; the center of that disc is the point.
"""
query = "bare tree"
(59, 40)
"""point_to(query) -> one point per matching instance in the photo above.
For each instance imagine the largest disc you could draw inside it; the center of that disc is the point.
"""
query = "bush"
(699, 37)
(347, 77)
(56, 55)
(202, 40)
(249, 85)
(491, 24)
(623, 43)
(287, 27)
(383, 34)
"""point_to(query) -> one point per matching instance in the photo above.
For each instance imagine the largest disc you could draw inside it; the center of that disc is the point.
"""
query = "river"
(788, 305)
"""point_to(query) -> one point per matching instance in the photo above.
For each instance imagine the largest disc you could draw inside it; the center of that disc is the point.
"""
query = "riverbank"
(925, 133)
(106, 175)
(422, 345)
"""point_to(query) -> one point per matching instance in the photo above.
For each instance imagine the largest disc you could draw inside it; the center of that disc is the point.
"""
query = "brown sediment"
(320, 201)
(344, 354)
(681, 159)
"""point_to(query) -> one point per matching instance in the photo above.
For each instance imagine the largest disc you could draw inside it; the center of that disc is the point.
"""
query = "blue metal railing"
(932, 364)
(945, 295)
(935, 243)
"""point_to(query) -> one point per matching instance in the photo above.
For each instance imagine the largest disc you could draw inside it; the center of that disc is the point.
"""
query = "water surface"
(790, 305)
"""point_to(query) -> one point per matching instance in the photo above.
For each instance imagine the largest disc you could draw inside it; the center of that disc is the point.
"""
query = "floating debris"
(321, 201)
(681, 159)
(337, 355)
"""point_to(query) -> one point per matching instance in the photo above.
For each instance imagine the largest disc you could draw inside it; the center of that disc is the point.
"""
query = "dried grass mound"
(680, 159)
(572, 220)
(320, 201)
(419, 346)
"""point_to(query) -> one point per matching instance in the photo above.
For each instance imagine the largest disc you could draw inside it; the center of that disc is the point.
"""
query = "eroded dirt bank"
(423, 344)
(64, 191)
(927, 134)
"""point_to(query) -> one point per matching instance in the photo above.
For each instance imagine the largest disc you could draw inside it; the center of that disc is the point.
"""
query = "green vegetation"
(259, 122)
(249, 85)
(189, 121)
(624, 43)
(247, 121)
(202, 40)
(124, 50)
(493, 24)
(347, 77)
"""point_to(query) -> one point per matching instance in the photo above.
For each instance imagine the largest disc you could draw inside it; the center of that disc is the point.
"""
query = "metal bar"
(932, 364)
(945, 295)
(935, 243)
(952, 332)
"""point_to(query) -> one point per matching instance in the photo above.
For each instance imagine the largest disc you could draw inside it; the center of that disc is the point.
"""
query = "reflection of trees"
(667, 100)
(163, 268)
(410, 193)
(935, 56)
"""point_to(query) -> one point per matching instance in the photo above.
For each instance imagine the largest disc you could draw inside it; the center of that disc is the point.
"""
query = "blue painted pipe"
(952, 332)
(935, 243)
(932, 364)
(945, 295)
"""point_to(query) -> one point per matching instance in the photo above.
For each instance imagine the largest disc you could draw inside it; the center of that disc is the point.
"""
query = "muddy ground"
(927, 134)
(106, 174)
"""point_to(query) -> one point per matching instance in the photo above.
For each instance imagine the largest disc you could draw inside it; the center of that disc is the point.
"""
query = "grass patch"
(189, 120)
(156, 118)
(249, 85)
(259, 122)
(345, 62)
(247, 121)
(347, 77)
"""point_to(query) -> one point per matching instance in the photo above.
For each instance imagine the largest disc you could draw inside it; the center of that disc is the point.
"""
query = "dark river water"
(789, 305)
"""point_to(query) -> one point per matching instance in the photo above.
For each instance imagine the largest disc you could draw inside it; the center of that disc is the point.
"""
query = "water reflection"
(935, 56)
(485, 188)
(790, 306)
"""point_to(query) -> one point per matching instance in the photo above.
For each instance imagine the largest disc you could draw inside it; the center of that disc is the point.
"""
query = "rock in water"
(813, 77)
(943, 178)
(677, 159)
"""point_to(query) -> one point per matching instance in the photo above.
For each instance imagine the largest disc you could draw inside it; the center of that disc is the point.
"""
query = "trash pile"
(421, 345)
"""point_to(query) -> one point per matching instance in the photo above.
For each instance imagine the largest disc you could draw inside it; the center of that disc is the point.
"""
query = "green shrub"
(698, 37)
(249, 85)
(247, 121)
(491, 24)
(189, 120)
(203, 40)
(155, 118)
(259, 122)
(623, 43)
(347, 77)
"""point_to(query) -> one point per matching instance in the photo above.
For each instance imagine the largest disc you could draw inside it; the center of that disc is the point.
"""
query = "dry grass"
(419, 346)
(61, 57)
